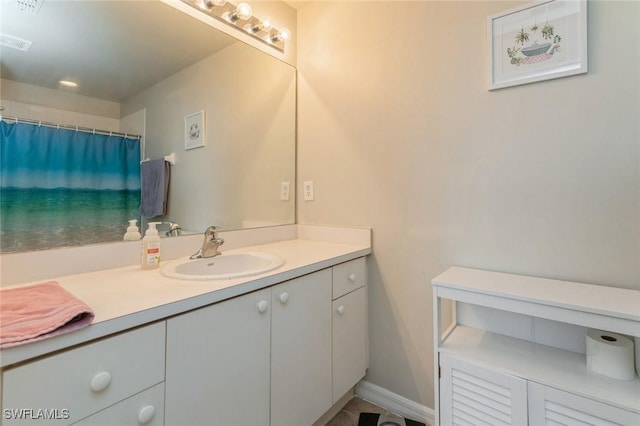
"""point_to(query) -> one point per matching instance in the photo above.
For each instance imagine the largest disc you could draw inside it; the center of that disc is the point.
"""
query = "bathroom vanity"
(278, 348)
(515, 353)
(290, 341)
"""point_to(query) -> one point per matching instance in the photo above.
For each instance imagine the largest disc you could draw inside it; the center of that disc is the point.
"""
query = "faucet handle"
(212, 231)
(174, 229)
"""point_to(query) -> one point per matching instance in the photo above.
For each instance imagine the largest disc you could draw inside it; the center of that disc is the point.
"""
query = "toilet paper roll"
(610, 354)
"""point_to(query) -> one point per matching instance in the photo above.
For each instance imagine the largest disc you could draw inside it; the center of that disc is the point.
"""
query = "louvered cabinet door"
(551, 407)
(474, 396)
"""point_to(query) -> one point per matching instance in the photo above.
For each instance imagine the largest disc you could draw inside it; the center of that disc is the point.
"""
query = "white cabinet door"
(549, 406)
(472, 395)
(349, 341)
(301, 350)
(218, 364)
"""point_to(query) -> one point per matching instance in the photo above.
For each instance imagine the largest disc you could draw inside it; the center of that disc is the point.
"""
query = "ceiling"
(112, 49)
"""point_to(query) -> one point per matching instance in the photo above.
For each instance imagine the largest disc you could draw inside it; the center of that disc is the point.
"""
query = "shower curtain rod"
(68, 126)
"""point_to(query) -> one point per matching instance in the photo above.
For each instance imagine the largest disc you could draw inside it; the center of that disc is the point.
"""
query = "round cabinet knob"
(263, 306)
(100, 381)
(340, 309)
(284, 297)
(146, 414)
(352, 277)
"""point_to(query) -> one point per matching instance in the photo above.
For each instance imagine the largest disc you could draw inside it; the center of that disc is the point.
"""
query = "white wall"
(56, 106)
(249, 103)
(398, 132)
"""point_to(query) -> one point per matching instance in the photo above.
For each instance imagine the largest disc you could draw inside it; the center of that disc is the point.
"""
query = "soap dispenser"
(151, 248)
(132, 231)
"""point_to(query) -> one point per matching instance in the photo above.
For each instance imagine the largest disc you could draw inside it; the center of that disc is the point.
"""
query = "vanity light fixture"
(240, 17)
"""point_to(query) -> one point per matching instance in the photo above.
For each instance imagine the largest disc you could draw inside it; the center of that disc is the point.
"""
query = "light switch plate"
(285, 187)
(308, 190)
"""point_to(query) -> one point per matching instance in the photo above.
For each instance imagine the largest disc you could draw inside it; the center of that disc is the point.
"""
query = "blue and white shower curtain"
(62, 187)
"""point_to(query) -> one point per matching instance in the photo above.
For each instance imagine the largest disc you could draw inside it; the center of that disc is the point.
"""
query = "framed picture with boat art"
(536, 42)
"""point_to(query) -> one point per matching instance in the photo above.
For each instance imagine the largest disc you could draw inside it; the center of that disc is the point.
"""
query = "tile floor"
(350, 413)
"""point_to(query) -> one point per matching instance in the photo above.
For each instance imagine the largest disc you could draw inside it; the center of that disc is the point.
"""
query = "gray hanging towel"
(154, 191)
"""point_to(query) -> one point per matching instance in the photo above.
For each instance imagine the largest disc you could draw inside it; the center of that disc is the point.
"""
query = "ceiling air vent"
(32, 6)
(14, 42)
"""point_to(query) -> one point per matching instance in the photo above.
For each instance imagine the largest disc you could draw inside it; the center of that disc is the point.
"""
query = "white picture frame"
(536, 42)
(194, 130)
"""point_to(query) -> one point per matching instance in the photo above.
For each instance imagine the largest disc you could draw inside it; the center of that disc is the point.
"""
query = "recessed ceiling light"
(68, 83)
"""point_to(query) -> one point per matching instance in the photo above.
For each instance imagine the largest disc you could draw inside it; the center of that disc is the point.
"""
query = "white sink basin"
(224, 266)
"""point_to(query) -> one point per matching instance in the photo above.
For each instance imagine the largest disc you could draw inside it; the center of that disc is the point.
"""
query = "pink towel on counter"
(36, 312)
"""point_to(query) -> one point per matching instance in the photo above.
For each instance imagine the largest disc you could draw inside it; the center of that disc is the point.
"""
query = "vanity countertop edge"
(128, 297)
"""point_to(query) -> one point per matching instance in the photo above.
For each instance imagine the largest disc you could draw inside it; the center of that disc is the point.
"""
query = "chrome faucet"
(174, 229)
(210, 244)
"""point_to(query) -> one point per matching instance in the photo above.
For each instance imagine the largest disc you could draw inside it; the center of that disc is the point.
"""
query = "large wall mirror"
(143, 67)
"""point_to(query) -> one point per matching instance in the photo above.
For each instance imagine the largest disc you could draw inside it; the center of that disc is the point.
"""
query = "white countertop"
(601, 307)
(127, 297)
(610, 301)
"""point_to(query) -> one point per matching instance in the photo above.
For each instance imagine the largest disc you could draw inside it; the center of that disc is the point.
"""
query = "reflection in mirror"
(147, 68)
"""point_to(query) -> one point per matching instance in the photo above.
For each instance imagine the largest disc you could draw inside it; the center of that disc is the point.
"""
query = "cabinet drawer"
(145, 408)
(348, 276)
(89, 378)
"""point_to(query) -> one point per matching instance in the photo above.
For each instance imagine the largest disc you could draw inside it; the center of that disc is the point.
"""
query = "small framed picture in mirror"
(194, 130)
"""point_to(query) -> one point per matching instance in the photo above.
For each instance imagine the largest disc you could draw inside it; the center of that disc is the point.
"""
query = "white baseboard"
(395, 403)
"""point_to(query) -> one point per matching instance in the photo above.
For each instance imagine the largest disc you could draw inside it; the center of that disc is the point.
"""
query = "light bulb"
(244, 11)
(266, 24)
(208, 4)
(263, 24)
(282, 35)
(68, 83)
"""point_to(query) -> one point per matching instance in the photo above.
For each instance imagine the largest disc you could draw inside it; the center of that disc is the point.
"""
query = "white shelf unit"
(501, 323)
